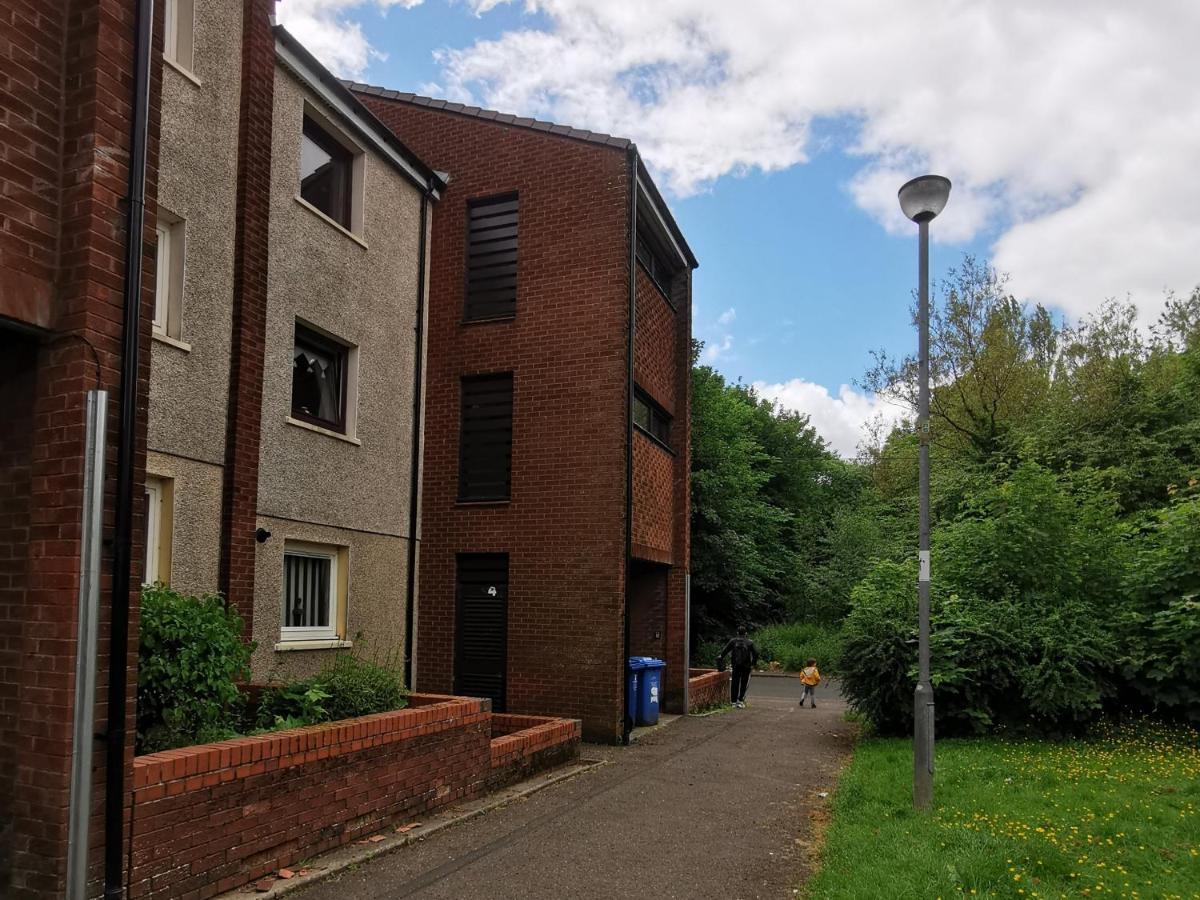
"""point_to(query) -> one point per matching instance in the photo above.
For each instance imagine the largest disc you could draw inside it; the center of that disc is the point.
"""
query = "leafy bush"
(349, 686)
(705, 656)
(792, 645)
(1163, 654)
(1022, 617)
(189, 657)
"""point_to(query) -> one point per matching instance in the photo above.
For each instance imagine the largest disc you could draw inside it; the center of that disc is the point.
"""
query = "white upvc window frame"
(170, 259)
(154, 527)
(179, 33)
(335, 555)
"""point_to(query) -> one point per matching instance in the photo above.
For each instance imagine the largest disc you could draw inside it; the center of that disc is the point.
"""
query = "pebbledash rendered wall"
(564, 526)
(207, 819)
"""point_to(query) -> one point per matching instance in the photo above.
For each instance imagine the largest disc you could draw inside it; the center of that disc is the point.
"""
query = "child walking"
(810, 677)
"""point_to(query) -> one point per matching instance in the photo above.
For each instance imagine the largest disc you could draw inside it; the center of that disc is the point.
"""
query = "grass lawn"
(1116, 815)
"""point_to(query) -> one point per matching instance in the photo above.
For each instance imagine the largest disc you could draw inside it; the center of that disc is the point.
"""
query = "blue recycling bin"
(633, 684)
(650, 690)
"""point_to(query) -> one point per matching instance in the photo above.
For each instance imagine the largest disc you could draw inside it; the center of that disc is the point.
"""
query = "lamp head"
(923, 198)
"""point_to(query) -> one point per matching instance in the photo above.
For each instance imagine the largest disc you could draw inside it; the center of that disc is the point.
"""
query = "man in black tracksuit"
(742, 656)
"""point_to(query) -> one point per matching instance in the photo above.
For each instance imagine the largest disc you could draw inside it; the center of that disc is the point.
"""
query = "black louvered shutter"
(485, 439)
(492, 258)
(481, 633)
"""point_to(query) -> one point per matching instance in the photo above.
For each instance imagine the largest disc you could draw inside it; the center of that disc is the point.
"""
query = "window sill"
(333, 223)
(489, 320)
(184, 72)
(308, 426)
(334, 644)
(666, 448)
(172, 342)
(498, 502)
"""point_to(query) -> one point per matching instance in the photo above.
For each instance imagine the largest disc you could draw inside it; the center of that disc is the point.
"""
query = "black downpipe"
(118, 652)
(633, 192)
(415, 486)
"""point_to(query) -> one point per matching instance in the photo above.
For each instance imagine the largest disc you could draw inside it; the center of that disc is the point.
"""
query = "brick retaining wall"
(707, 688)
(209, 818)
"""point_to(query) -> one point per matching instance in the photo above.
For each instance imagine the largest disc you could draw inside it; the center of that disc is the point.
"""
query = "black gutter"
(118, 652)
(627, 719)
(415, 465)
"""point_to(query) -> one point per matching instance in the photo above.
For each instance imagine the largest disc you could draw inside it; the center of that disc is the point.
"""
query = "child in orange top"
(810, 677)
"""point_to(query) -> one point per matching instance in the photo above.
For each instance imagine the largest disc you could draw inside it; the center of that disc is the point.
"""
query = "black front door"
(481, 631)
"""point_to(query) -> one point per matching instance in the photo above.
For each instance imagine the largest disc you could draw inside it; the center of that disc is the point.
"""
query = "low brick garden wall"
(707, 688)
(522, 745)
(207, 819)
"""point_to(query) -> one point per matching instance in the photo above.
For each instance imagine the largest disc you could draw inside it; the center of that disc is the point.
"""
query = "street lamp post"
(921, 200)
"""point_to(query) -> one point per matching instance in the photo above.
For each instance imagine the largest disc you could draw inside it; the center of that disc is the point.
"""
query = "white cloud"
(324, 27)
(727, 317)
(1073, 128)
(714, 350)
(840, 420)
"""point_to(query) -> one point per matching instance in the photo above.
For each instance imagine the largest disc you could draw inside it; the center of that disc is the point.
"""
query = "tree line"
(1065, 511)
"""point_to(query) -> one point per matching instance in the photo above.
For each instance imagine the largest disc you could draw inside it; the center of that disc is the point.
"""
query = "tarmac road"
(715, 807)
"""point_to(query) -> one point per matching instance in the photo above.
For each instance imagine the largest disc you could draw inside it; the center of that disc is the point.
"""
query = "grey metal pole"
(83, 743)
(923, 695)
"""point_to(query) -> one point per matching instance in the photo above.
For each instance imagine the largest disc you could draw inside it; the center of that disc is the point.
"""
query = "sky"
(780, 131)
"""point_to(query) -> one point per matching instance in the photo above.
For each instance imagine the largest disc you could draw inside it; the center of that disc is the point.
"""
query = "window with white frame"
(179, 17)
(312, 591)
(158, 517)
(168, 285)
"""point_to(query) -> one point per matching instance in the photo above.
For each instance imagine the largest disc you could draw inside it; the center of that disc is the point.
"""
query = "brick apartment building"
(560, 285)
(255, 318)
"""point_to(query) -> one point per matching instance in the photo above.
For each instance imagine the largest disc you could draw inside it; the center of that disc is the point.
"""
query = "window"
(159, 496)
(485, 438)
(326, 173)
(319, 376)
(178, 40)
(314, 587)
(491, 258)
(168, 284)
(651, 418)
(655, 263)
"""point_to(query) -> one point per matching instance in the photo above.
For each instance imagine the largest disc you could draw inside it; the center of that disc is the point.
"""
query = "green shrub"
(190, 655)
(1023, 614)
(705, 656)
(348, 687)
(792, 645)
(1162, 658)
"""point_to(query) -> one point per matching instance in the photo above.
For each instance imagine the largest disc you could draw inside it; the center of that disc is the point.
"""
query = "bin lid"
(645, 662)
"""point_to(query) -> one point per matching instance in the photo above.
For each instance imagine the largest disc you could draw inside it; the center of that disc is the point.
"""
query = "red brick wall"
(248, 340)
(707, 688)
(210, 818)
(65, 104)
(31, 69)
(564, 528)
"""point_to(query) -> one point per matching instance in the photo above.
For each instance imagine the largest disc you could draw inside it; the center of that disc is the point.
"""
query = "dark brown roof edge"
(491, 115)
(548, 128)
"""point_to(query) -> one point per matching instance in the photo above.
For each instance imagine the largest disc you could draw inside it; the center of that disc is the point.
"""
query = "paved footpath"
(715, 807)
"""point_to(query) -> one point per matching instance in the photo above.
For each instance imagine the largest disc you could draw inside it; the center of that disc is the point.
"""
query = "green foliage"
(189, 657)
(348, 687)
(1162, 660)
(1020, 620)
(792, 645)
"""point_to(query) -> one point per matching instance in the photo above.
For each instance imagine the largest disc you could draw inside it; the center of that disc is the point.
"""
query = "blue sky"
(779, 133)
